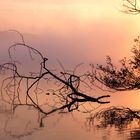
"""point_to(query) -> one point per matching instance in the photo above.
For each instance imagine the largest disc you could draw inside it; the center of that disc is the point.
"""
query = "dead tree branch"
(66, 98)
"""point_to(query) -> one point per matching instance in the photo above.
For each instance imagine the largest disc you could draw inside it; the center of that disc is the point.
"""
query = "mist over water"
(70, 32)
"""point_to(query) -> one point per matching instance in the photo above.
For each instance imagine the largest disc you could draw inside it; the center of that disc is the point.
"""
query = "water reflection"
(23, 126)
(125, 121)
(134, 134)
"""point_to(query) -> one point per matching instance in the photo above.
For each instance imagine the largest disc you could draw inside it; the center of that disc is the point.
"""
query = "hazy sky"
(72, 30)
(59, 15)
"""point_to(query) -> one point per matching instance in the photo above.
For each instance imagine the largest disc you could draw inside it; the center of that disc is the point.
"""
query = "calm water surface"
(23, 125)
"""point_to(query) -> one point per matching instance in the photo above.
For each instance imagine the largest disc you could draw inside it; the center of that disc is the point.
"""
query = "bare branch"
(131, 7)
(67, 96)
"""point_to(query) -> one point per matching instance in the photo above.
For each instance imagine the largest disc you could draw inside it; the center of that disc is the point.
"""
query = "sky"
(73, 31)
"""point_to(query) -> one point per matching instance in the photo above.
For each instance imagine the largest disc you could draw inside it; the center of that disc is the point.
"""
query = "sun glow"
(39, 15)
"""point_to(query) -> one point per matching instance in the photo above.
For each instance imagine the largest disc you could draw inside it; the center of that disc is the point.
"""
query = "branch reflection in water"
(121, 118)
(40, 90)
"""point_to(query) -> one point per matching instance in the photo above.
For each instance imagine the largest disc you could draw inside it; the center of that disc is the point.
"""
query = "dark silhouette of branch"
(122, 78)
(117, 78)
(131, 7)
(67, 96)
(118, 117)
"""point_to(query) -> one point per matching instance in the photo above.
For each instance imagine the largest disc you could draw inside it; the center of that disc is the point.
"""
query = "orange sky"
(58, 15)
(88, 30)
(73, 31)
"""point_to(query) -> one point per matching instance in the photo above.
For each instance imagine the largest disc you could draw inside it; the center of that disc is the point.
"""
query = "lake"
(23, 125)
(70, 32)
